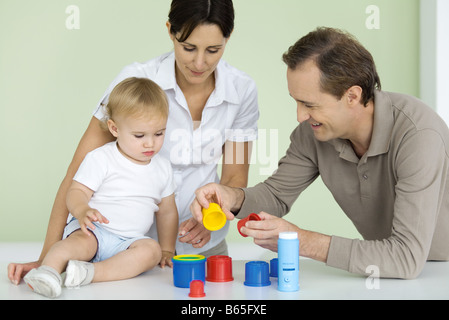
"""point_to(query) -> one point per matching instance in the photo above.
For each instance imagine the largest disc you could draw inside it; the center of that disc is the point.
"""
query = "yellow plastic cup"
(213, 217)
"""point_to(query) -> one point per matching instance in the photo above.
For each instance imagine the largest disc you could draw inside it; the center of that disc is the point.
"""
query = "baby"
(113, 198)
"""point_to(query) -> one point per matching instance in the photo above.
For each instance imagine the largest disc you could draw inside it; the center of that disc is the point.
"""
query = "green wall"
(52, 77)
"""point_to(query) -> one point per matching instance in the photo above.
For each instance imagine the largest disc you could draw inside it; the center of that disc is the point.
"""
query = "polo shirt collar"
(383, 124)
(382, 130)
(225, 89)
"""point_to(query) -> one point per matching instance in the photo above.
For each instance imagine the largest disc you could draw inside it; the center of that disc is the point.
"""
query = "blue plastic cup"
(257, 274)
(274, 267)
(187, 268)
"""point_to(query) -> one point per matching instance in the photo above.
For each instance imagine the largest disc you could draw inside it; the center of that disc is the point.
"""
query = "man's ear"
(112, 128)
(354, 95)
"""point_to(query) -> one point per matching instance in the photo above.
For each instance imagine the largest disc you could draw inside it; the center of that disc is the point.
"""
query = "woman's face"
(198, 56)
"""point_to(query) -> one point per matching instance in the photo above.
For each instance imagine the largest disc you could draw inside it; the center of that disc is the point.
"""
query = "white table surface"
(317, 281)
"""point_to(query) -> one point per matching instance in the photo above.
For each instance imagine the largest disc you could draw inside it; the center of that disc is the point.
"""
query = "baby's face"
(139, 139)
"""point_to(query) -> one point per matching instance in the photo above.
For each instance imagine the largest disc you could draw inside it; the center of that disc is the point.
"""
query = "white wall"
(434, 35)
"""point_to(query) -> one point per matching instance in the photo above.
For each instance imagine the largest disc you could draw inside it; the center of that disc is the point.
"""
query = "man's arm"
(421, 167)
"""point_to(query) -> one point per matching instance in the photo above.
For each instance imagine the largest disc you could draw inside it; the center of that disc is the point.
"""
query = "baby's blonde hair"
(136, 97)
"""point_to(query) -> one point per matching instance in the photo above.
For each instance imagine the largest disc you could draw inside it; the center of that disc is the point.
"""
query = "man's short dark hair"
(341, 59)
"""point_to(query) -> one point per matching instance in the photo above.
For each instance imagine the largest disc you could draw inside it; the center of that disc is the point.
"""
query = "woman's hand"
(16, 271)
(194, 233)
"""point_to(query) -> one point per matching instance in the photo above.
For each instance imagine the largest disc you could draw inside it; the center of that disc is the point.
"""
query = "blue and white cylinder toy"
(288, 262)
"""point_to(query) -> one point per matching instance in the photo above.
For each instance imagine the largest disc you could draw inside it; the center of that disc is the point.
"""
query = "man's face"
(329, 117)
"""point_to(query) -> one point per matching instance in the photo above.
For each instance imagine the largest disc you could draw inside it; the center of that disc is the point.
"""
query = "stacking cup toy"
(188, 267)
(213, 217)
(274, 267)
(219, 269)
(241, 223)
(256, 274)
(197, 289)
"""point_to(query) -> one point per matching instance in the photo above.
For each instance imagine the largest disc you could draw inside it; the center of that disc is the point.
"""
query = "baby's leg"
(78, 246)
(142, 255)
(46, 279)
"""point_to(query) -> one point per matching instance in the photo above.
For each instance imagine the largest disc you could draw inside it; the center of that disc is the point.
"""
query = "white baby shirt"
(126, 193)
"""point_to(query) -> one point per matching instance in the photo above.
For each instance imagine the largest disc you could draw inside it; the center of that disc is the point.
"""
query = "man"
(384, 157)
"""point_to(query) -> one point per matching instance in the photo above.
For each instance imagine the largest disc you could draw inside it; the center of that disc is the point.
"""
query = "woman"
(213, 113)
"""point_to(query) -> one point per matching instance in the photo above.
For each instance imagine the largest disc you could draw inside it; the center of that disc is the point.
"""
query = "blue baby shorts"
(109, 244)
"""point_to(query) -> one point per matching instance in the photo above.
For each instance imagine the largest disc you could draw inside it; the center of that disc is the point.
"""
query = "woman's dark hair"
(342, 60)
(186, 15)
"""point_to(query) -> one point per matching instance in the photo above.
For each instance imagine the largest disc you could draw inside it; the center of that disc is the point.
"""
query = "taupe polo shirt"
(397, 194)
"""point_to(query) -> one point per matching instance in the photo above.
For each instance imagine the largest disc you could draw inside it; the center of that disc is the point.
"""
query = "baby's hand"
(166, 259)
(91, 215)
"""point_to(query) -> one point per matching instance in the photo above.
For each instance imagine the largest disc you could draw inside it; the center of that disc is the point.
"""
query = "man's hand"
(266, 231)
(226, 197)
(312, 245)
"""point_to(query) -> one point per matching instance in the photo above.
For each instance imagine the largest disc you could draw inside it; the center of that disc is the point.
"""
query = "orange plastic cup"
(219, 269)
(197, 289)
(242, 222)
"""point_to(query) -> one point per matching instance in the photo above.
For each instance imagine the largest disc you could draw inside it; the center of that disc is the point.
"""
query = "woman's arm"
(235, 169)
(93, 138)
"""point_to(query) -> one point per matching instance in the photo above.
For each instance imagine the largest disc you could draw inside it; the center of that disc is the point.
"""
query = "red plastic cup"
(242, 222)
(219, 269)
(197, 289)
